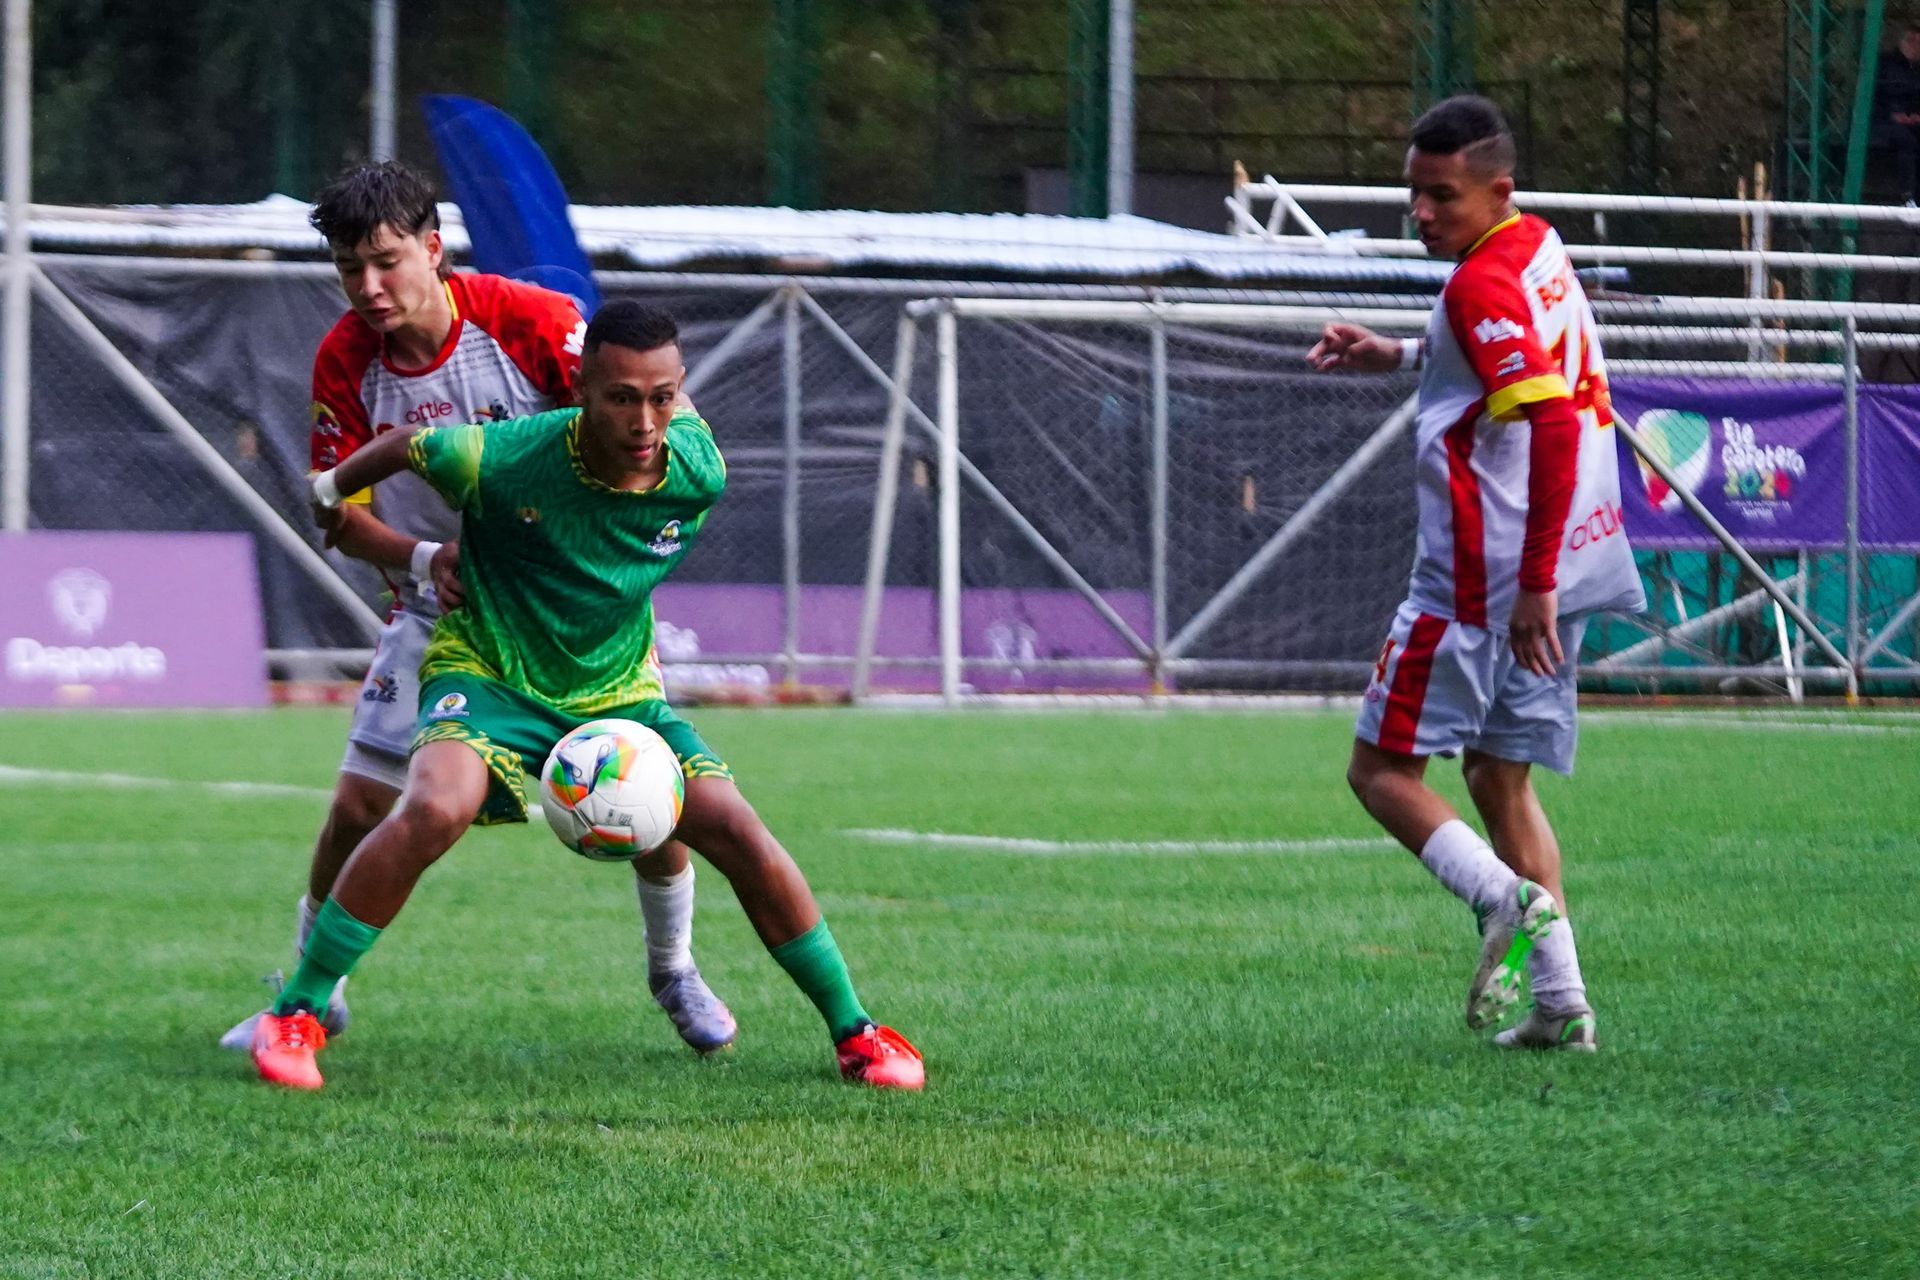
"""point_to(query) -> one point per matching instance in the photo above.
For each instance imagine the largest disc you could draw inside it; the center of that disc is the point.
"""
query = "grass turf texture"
(1139, 1064)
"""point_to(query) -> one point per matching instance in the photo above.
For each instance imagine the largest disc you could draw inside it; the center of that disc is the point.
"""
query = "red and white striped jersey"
(1513, 326)
(512, 351)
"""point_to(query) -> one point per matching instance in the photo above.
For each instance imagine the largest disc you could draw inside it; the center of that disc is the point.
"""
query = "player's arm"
(1493, 324)
(1356, 347)
(366, 467)
(364, 536)
(341, 428)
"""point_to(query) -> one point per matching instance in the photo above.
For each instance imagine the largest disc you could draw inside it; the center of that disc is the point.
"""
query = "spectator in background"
(1896, 109)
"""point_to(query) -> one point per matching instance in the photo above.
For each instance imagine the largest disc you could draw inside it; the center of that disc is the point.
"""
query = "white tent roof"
(681, 236)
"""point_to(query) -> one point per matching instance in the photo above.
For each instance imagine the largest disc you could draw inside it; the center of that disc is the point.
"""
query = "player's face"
(1453, 205)
(627, 398)
(392, 278)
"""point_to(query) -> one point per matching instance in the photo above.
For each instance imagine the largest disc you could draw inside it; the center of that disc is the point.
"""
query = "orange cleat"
(283, 1049)
(881, 1057)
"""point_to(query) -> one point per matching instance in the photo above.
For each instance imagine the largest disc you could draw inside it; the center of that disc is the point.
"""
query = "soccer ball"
(612, 790)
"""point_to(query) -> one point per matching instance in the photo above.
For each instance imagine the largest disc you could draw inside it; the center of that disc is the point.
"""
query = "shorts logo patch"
(454, 704)
(381, 689)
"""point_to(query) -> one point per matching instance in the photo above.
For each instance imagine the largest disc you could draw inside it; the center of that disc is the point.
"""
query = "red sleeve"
(1493, 325)
(339, 415)
(1553, 465)
(540, 330)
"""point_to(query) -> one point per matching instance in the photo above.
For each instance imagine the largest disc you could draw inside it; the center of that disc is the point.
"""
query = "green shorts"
(514, 731)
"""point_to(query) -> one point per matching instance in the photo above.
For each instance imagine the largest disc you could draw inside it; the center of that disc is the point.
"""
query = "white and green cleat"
(1507, 935)
(1572, 1032)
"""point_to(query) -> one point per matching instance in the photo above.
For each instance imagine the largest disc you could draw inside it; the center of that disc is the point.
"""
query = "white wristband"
(422, 564)
(326, 492)
(1410, 349)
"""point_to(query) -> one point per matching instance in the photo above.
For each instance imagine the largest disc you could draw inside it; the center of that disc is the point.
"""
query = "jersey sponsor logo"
(1607, 519)
(668, 542)
(451, 707)
(324, 423)
(1498, 329)
(1511, 363)
(381, 689)
(429, 411)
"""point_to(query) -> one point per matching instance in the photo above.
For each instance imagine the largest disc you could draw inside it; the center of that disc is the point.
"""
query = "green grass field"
(1141, 1062)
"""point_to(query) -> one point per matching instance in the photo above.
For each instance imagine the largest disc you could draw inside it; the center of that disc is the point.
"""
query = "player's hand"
(1356, 347)
(444, 569)
(1534, 633)
(332, 520)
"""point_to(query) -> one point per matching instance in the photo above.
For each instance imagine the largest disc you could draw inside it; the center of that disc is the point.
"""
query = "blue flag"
(513, 204)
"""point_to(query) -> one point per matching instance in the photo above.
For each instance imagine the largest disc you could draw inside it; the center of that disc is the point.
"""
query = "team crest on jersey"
(668, 541)
(529, 515)
(1499, 329)
(324, 423)
(1511, 364)
(496, 411)
(382, 689)
(451, 707)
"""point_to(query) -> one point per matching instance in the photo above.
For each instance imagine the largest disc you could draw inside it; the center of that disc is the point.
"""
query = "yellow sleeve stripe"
(1506, 402)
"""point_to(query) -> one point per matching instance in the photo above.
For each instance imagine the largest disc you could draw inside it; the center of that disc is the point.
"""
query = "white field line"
(1704, 720)
(1056, 848)
(13, 776)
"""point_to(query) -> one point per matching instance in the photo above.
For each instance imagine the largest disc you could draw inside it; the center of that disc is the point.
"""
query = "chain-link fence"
(1144, 485)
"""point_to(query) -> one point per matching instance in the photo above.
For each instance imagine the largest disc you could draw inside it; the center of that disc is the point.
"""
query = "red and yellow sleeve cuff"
(1506, 402)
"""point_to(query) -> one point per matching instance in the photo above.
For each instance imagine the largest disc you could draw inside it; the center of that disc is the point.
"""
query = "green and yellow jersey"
(559, 568)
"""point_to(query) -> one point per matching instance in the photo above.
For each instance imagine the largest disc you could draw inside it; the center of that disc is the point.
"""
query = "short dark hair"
(1467, 124)
(630, 324)
(370, 196)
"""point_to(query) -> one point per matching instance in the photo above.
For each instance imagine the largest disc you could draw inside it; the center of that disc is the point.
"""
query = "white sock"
(667, 910)
(303, 925)
(1553, 972)
(1467, 865)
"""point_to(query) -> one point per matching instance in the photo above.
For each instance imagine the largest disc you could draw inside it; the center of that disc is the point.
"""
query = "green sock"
(813, 961)
(333, 948)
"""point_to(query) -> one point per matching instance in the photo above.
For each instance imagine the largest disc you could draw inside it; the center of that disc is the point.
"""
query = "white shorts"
(383, 719)
(1442, 686)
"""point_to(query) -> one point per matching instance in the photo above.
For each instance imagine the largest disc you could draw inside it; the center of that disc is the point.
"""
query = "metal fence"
(956, 487)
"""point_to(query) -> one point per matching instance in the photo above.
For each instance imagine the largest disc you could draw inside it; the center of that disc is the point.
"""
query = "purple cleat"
(702, 1018)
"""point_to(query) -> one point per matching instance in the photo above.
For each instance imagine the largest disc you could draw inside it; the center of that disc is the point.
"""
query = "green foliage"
(1139, 1064)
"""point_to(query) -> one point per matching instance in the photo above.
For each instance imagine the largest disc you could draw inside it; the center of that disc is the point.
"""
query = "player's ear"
(436, 252)
(1503, 187)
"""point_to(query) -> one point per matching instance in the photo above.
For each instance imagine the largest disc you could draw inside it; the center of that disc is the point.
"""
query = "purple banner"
(699, 623)
(1768, 459)
(1890, 468)
(130, 620)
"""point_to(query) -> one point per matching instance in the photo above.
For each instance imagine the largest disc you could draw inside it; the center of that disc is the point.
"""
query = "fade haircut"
(1469, 126)
(367, 197)
(633, 325)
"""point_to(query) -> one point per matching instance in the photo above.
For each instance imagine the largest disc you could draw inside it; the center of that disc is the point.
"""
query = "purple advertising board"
(1769, 460)
(702, 625)
(130, 620)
